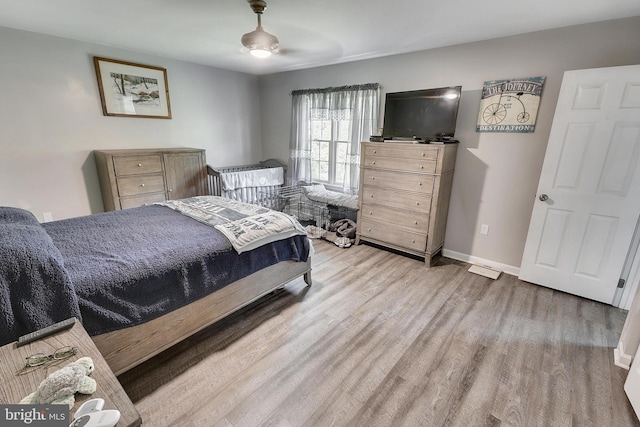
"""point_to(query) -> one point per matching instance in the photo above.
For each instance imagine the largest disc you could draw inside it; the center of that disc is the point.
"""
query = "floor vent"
(483, 270)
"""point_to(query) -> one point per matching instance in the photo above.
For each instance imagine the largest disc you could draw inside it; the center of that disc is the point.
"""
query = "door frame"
(633, 281)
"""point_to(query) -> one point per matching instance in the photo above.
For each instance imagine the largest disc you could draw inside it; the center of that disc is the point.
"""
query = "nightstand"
(16, 387)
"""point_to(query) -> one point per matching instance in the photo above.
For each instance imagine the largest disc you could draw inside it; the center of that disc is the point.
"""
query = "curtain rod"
(366, 86)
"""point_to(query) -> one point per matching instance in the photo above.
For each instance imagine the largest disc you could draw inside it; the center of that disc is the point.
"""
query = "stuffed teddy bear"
(60, 387)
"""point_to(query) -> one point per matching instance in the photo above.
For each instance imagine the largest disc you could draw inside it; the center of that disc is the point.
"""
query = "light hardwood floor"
(381, 340)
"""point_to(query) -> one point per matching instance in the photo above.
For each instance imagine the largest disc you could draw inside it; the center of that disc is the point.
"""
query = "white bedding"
(252, 178)
(318, 193)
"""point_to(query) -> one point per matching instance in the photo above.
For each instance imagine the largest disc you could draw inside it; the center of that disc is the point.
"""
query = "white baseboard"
(508, 269)
(620, 358)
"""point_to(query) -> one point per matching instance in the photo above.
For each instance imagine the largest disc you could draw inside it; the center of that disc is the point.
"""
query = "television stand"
(404, 196)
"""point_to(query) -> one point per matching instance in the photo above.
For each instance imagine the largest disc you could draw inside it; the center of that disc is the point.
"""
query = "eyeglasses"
(41, 359)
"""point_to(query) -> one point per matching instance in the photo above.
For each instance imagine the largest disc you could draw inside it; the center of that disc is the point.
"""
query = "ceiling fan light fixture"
(260, 40)
(259, 53)
(259, 43)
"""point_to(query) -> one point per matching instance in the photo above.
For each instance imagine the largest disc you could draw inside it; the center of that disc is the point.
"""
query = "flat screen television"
(421, 114)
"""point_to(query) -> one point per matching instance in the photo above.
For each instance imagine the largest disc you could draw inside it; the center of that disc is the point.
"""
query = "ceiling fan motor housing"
(259, 39)
(258, 6)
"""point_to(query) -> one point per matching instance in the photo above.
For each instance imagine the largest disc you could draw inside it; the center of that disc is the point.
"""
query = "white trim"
(631, 286)
(508, 269)
(620, 358)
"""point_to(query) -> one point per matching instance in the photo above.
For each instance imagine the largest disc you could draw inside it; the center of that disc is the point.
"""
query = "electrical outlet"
(48, 216)
(484, 229)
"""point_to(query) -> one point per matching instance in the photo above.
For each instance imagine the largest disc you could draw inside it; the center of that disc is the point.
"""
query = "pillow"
(35, 287)
(318, 193)
(9, 215)
(313, 187)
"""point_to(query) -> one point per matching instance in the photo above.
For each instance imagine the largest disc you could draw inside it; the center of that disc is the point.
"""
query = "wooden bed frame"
(129, 347)
(126, 348)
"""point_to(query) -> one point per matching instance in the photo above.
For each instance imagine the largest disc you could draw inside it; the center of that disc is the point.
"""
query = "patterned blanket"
(246, 226)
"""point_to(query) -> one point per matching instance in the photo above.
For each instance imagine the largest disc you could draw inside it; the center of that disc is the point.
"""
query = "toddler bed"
(247, 183)
(139, 279)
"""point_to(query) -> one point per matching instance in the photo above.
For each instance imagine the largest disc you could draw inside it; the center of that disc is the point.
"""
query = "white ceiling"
(311, 32)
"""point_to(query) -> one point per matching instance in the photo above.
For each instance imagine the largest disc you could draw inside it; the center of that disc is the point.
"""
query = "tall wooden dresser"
(404, 195)
(131, 178)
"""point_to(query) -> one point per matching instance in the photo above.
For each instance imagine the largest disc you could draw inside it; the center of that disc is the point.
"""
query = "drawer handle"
(421, 166)
(139, 165)
(415, 222)
(420, 184)
(417, 203)
(375, 151)
(371, 196)
(370, 213)
(373, 163)
(413, 240)
(373, 178)
(423, 154)
(141, 185)
(170, 190)
(369, 229)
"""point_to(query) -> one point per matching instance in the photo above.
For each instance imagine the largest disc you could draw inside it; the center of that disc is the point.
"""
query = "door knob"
(543, 197)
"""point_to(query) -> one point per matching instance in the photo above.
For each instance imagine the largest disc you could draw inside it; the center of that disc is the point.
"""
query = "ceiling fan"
(259, 42)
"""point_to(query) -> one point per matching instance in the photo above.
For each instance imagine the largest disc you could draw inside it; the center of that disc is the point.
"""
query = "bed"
(250, 183)
(140, 279)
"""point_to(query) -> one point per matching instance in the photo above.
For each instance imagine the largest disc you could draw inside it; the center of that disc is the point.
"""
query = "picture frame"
(510, 105)
(132, 90)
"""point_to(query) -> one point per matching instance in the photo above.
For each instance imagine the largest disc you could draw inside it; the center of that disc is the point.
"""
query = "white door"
(588, 200)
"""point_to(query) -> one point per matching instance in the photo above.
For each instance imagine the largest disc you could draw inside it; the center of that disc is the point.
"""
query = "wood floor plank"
(454, 385)
(401, 329)
(379, 339)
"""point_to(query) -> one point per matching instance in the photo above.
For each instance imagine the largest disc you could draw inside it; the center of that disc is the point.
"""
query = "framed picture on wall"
(132, 90)
(510, 105)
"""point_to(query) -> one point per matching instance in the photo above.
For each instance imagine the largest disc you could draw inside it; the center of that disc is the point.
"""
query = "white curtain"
(359, 103)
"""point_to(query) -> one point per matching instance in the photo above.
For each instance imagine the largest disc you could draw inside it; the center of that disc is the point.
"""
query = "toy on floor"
(61, 386)
(345, 230)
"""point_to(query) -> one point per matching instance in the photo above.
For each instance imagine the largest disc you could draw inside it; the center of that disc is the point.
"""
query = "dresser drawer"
(392, 235)
(408, 165)
(401, 151)
(133, 165)
(135, 185)
(145, 199)
(409, 219)
(418, 203)
(399, 181)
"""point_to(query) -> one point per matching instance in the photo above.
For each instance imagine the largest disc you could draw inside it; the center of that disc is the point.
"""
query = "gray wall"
(496, 175)
(51, 119)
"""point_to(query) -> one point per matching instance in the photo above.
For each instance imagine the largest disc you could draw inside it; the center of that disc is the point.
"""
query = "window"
(330, 148)
(327, 128)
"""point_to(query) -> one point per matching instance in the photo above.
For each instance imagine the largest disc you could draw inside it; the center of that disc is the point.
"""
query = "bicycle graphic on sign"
(510, 105)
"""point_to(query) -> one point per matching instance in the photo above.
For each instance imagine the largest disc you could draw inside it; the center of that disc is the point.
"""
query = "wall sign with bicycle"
(510, 105)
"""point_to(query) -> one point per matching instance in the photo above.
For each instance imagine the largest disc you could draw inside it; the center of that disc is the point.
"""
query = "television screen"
(421, 114)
